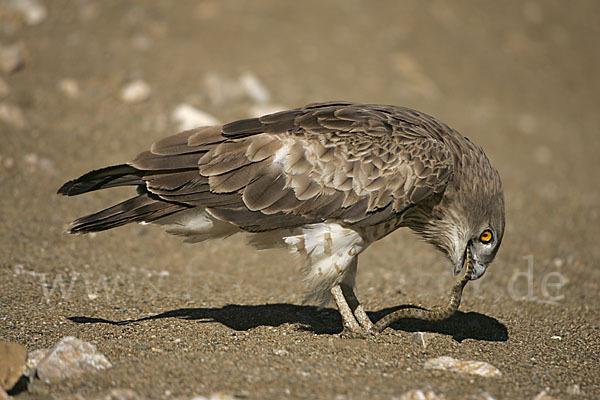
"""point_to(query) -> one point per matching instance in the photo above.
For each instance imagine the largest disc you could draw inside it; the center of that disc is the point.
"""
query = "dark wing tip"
(66, 187)
(118, 175)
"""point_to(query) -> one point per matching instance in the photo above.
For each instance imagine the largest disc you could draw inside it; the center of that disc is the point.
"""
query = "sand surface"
(521, 79)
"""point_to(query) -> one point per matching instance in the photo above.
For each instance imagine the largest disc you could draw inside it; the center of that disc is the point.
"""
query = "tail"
(145, 207)
(117, 175)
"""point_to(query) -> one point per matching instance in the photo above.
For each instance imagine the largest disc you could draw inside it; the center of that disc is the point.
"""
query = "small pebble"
(37, 162)
(121, 394)
(33, 11)
(420, 395)
(543, 396)
(421, 339)
(574, 389)
(12, 57)
(189, 117)
(558, 262)
(136, 92)
(12, 366)
(33, 359)
(69, 87)
(254, 88)
(69, 358)
(469, 367)
(221, 90)
(12, 115)
(215, 396)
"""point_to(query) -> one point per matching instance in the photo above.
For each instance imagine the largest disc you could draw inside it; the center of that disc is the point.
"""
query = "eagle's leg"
(359, 312)
(355, 319)
(351, 325)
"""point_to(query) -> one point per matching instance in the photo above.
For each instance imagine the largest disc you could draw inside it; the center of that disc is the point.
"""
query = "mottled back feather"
(351, 163)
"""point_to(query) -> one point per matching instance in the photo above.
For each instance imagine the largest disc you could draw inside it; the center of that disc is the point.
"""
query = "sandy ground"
(519, 78)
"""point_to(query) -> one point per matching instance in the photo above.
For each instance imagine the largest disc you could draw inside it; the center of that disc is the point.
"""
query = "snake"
(436, 314)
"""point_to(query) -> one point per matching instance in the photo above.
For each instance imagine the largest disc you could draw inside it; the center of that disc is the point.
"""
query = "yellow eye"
(486, 236)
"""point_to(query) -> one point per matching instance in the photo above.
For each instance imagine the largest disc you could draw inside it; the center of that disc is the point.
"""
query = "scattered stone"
(484, 396)
(13, 116)
(121, 394)
(222, 89)
(468, 367)
(69, 358)
(33, 359)
(558, 262)
(189, 117)
(215, 396)
(36, 162)
(254, 88)
(574, 389)
(13, 357)
(136, 92)
(69, 87)
(113, 394)
(280, 352)
(32, 11)
(420, 395)
(421, 339)
(4, 88)
(12, 57)
(543, 396)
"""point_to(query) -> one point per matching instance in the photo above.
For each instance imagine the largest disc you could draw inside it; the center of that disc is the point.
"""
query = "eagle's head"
(469, 214)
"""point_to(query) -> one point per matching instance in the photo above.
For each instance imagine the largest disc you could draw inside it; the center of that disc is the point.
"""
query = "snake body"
(438, 313)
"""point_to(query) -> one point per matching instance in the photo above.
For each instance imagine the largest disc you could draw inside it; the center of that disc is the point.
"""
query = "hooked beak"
(479, 268)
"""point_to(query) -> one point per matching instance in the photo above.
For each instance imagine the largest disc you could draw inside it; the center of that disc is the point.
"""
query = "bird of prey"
(325, 180)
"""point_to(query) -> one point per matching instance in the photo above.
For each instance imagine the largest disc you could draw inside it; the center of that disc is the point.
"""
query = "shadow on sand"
(461, 326)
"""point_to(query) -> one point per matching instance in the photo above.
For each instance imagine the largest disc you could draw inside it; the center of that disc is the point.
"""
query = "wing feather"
(356, 164)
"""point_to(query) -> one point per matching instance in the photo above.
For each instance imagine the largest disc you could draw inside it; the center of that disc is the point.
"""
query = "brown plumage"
(341, 172)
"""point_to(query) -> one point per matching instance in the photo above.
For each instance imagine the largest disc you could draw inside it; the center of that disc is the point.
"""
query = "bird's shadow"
(461, 326)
